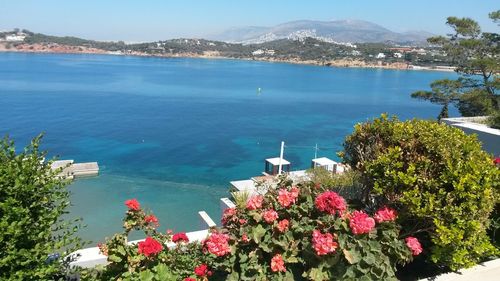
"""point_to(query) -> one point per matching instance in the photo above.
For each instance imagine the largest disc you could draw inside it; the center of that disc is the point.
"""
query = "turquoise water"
(173, 132)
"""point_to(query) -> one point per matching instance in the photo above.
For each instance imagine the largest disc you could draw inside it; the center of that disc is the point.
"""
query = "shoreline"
(338, 63)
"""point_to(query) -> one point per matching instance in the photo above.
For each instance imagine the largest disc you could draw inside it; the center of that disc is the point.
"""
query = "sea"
(173, 132)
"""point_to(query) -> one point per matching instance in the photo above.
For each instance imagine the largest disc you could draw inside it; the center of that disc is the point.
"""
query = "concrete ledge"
(91, 257)
(487, 271)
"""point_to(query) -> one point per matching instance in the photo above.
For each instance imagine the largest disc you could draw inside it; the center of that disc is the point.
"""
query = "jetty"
(70, 169)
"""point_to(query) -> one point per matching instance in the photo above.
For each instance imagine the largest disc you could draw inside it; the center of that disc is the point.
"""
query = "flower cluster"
(414, 245)
(217, 244)
(202, 271)
(180, 237)
(270, 216)
(287, 198)
(283, 225)
(361, 223)
(133, 205)
(323, 244)
(255, 202)
(149, 247)
(385, 214)
(330, 202)
(277, 263)
(151, 219)
(229, 215)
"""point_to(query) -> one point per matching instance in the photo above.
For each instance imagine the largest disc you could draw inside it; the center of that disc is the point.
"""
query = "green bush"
(442, 182)
(32, 201)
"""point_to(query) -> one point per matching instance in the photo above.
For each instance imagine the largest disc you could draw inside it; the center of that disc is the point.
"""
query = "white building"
(398, 55)
(380, 56)
(15, 37)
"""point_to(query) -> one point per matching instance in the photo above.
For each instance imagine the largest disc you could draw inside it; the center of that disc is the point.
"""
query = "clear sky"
(150, 20)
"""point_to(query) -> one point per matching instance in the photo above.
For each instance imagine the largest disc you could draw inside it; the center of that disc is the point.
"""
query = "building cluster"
(13, 37)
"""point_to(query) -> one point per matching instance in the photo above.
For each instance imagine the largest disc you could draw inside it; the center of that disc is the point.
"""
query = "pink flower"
(133, 204)
(385, 214)
(330, 202)
(496, 160)
(283, 225)
(242, 221)
(255, 202)
(323, 244)
(202, 270)
(277, 263)
(270, 216)
(244, 238)
(149, 247)
(361, 223)
(180, 237)
(151, 219)
(189, 279)
(287, 198)
(229, 215)
(217, 244)
(414, 245)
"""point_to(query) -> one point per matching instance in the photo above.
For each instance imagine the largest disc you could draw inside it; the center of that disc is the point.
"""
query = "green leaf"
(257, 233)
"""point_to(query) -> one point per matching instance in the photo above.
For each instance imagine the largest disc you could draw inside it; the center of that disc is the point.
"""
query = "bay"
(173, 132)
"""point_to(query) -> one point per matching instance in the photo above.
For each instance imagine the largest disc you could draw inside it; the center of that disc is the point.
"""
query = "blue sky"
(134, 20)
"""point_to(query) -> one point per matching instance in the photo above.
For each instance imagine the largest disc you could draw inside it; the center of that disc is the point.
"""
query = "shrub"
(150, 259)
(308, 232)
(33, 236)
(441, 181)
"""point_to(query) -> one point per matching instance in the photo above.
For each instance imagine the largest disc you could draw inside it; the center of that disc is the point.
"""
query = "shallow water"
(173, 132)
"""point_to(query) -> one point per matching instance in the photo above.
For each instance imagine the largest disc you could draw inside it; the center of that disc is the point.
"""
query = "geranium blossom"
(244, 238)
(283, 225)
(385, 214)
(180, 237)
(202, 270)
(229, 215)
(133, 204)
(151, 219)
(255, 202)
(287, 198)
(189, 279)
(361, 223)
(330, 202)
(277, 263)
(414, 245)
(217, 244)
(149, 247)
(270, 216)
(323, 244)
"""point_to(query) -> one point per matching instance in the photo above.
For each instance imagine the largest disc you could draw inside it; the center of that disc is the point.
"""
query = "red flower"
(270, 216)
(229, 215)
(242, 221)
(133, 205)
(255, 202)
(151, 219)
(361, 223)
(244, 238)
(385, 214)
(287, 198)
(283, 225)
(277, 263)
(331, 203)
(414, 245)
(180, 237)
(149, 247)
(217, 244)
(189, 279)
(323, 243)
(496, 160)
(202, 270)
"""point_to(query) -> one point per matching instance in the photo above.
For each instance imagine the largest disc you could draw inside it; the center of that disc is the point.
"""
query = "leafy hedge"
(33, 235)
(438, 177)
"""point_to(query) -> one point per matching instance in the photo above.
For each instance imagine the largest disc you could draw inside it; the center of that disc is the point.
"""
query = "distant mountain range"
(339, 31)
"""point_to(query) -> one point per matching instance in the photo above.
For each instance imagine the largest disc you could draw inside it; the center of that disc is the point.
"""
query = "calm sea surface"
(173, 132)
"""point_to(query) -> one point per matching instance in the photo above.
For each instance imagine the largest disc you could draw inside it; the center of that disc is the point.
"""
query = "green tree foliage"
(443, 92)
(442, 182)
(32, 202)
(475, 55)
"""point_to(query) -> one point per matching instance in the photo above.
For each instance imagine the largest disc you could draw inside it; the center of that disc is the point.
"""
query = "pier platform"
(70, 169)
